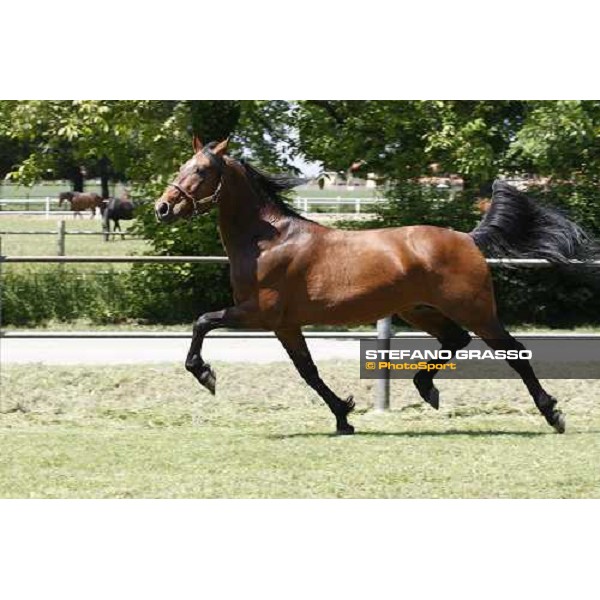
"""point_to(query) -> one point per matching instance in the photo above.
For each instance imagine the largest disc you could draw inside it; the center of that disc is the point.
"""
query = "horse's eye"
(200, 171)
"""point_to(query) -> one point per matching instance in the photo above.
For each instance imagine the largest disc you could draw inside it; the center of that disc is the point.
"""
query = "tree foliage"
(145, 142)
(560, 139)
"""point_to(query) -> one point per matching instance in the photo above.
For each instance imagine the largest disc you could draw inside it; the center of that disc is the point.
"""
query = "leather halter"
(198, 203)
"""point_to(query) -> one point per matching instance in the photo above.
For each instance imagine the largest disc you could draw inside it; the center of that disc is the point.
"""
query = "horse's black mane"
(273, 187)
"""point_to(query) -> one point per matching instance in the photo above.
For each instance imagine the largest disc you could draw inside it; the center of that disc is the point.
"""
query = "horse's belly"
(350, 297)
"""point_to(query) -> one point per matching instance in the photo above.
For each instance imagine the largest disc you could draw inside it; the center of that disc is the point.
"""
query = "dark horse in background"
(79, 201)
(288, 271)
(115, 209)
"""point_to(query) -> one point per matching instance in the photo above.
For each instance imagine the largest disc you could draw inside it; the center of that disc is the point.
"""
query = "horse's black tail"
(517, 226)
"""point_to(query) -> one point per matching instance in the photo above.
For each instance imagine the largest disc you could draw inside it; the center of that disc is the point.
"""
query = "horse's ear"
(221, 147)
(197, 144)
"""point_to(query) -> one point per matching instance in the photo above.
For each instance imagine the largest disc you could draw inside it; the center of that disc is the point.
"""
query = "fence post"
(382, 391)
(1, 287)
(47, 207)
(61, 238)
(358, 206)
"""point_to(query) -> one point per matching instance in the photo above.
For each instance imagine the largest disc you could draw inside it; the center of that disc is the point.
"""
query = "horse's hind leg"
(450, 335)
(118, 226)
(496, 337)
(480, 317)
(295, 345)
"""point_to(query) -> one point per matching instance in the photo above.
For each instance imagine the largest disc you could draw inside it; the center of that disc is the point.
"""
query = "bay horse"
(287, 271)
(115, 209)
(81, 201)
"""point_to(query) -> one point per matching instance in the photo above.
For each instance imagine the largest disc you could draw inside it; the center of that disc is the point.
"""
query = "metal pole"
(1, 298)
(382, 390)
(61, 238)
(1, 286)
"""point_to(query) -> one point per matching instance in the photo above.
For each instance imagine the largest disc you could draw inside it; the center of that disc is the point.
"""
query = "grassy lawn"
(50, 189)
(152, 432)
(75, 245)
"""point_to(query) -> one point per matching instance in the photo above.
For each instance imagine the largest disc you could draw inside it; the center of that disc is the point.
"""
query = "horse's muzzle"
(163, 212)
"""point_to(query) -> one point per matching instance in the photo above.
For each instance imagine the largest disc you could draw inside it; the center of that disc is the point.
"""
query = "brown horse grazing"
(81, 201)
(288, 271)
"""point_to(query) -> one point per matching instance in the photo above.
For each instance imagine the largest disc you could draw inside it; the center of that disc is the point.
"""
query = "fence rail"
(67, 232)
(301, 203)
(46, 202)
(521, 262)
(383, 331)
(304, 203)
(115, 259)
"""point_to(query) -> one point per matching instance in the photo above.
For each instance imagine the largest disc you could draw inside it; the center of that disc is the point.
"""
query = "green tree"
(401, 139)
(388, 135)
(64, 136)
(560, 139)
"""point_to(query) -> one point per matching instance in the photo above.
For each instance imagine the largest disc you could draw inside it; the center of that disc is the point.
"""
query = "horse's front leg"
(295, 344)
(235, 316)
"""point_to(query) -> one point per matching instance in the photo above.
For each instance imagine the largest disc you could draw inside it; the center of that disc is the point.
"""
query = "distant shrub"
(34, 296)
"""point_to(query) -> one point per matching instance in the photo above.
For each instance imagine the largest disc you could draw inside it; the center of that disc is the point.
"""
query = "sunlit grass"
(75, 245)
(152, 432)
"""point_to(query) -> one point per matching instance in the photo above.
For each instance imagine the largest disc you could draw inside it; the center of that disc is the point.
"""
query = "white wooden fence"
(46, 204)
(344, 207)
(61, 232)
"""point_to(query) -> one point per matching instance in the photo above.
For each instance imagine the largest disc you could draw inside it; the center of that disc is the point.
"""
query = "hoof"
(346, 429)
(208, 379)
(431, 396)
(558, 422)
(553, 415)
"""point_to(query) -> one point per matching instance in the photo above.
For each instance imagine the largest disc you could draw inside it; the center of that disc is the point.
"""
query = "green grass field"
(52, 189)
(75, 245)
(80, 432)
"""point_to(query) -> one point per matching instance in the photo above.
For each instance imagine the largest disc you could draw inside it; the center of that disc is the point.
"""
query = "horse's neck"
(243, 214)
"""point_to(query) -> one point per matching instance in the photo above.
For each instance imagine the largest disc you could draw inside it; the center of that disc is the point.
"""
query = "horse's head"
(196, 188)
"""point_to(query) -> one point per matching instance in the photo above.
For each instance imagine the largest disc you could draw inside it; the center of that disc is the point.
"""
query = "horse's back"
(396, 248)
(117, 209)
